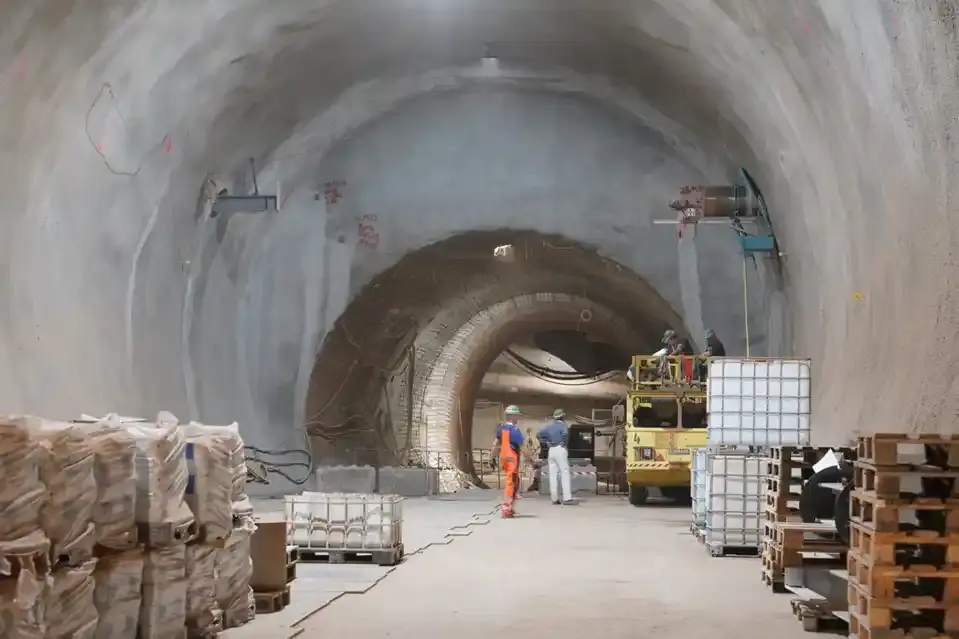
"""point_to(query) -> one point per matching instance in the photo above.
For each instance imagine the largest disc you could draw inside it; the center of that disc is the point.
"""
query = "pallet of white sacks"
(167, 533)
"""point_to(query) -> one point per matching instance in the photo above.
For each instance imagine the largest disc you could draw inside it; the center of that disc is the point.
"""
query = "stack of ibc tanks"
(752, 404)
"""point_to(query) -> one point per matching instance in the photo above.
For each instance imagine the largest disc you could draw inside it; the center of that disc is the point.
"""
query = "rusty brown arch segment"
(450, 390)
(420, 304)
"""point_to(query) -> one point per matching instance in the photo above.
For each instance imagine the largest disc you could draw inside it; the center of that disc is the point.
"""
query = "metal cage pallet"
(731, 550)
(380, 557)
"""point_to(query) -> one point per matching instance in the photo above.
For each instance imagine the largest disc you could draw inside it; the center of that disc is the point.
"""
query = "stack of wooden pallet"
(904, 545)
(786, 540)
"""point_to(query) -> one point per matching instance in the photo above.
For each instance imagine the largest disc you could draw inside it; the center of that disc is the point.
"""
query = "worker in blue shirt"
(509, 439)
(556, 436)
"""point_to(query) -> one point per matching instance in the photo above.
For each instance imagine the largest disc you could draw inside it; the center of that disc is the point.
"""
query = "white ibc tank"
(344, 520)
(758, 402)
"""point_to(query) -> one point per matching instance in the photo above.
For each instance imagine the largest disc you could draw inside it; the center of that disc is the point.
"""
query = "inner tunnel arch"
(397, 373)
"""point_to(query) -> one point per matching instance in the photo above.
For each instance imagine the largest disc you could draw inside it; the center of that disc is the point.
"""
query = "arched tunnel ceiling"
(122, 295)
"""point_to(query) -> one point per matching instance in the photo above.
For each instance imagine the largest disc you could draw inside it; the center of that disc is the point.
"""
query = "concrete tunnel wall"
(122, 295)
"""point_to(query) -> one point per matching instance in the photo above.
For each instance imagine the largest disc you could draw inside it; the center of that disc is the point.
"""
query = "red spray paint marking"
(366, 230)
(333, 191)
(167, 144)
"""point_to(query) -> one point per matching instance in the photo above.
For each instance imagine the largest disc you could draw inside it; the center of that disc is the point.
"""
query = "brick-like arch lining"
(446, 414)
(406, 359)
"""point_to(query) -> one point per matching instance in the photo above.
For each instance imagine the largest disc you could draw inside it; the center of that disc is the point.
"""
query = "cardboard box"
(271, 558)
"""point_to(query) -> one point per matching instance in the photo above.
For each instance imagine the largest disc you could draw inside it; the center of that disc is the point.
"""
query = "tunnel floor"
(603, 568)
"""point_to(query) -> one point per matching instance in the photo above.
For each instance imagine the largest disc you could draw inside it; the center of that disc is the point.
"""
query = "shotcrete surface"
(123, 294)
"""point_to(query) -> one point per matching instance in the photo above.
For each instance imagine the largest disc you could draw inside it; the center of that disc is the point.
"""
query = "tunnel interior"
(397, 135)
(397, 377)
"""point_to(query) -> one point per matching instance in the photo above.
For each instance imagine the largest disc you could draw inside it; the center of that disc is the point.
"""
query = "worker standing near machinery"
(556, 435)
(714, 347)
(510, 440)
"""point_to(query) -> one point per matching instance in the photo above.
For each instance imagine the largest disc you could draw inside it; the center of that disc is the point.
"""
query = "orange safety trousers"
(509, 462)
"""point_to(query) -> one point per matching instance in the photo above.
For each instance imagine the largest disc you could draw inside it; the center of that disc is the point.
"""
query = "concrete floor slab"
(601, 568)
(427, 522)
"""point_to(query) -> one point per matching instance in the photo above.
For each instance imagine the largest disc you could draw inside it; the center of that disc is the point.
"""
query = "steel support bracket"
(231, 204)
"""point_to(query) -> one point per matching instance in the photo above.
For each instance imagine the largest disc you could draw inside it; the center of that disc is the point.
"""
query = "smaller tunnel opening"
(465, 323)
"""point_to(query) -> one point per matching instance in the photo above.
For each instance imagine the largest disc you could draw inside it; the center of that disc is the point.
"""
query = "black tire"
(682, 495)
(638, 495)
(842, 512)
(817, 503)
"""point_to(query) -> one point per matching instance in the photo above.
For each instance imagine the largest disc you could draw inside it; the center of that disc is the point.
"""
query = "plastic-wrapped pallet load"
(19, 619)
(203, 615)
(118, 578)
(22, 494)
(163, 606)
(66, 469)
(209, 491)
(229, 438)
(161, 472)
(68, 603)
(114, 454)
(234, 572)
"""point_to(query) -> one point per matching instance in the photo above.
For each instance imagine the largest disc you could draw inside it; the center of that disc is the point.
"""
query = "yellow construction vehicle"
(665, 422)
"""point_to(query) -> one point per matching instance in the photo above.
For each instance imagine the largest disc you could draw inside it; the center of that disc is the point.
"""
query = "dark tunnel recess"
(395, 380)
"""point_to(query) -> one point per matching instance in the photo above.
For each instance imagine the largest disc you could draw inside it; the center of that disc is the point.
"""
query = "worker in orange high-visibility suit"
(510, 439)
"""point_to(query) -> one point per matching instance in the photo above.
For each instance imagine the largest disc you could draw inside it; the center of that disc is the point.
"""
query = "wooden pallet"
(384, 557)
(798, 535)
(860, 629)
(886, 613)
(885, 580)
(870, 511)
(267, 602)
(817, 616)
(167, 534)
(782, 507)
(787, 469)
(887, 482)
(773, 574)
(880, 547)
(888, 449)
(793, 464)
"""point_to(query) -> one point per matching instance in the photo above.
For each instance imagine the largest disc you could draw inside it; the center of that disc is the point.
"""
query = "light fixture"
(489, 63)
